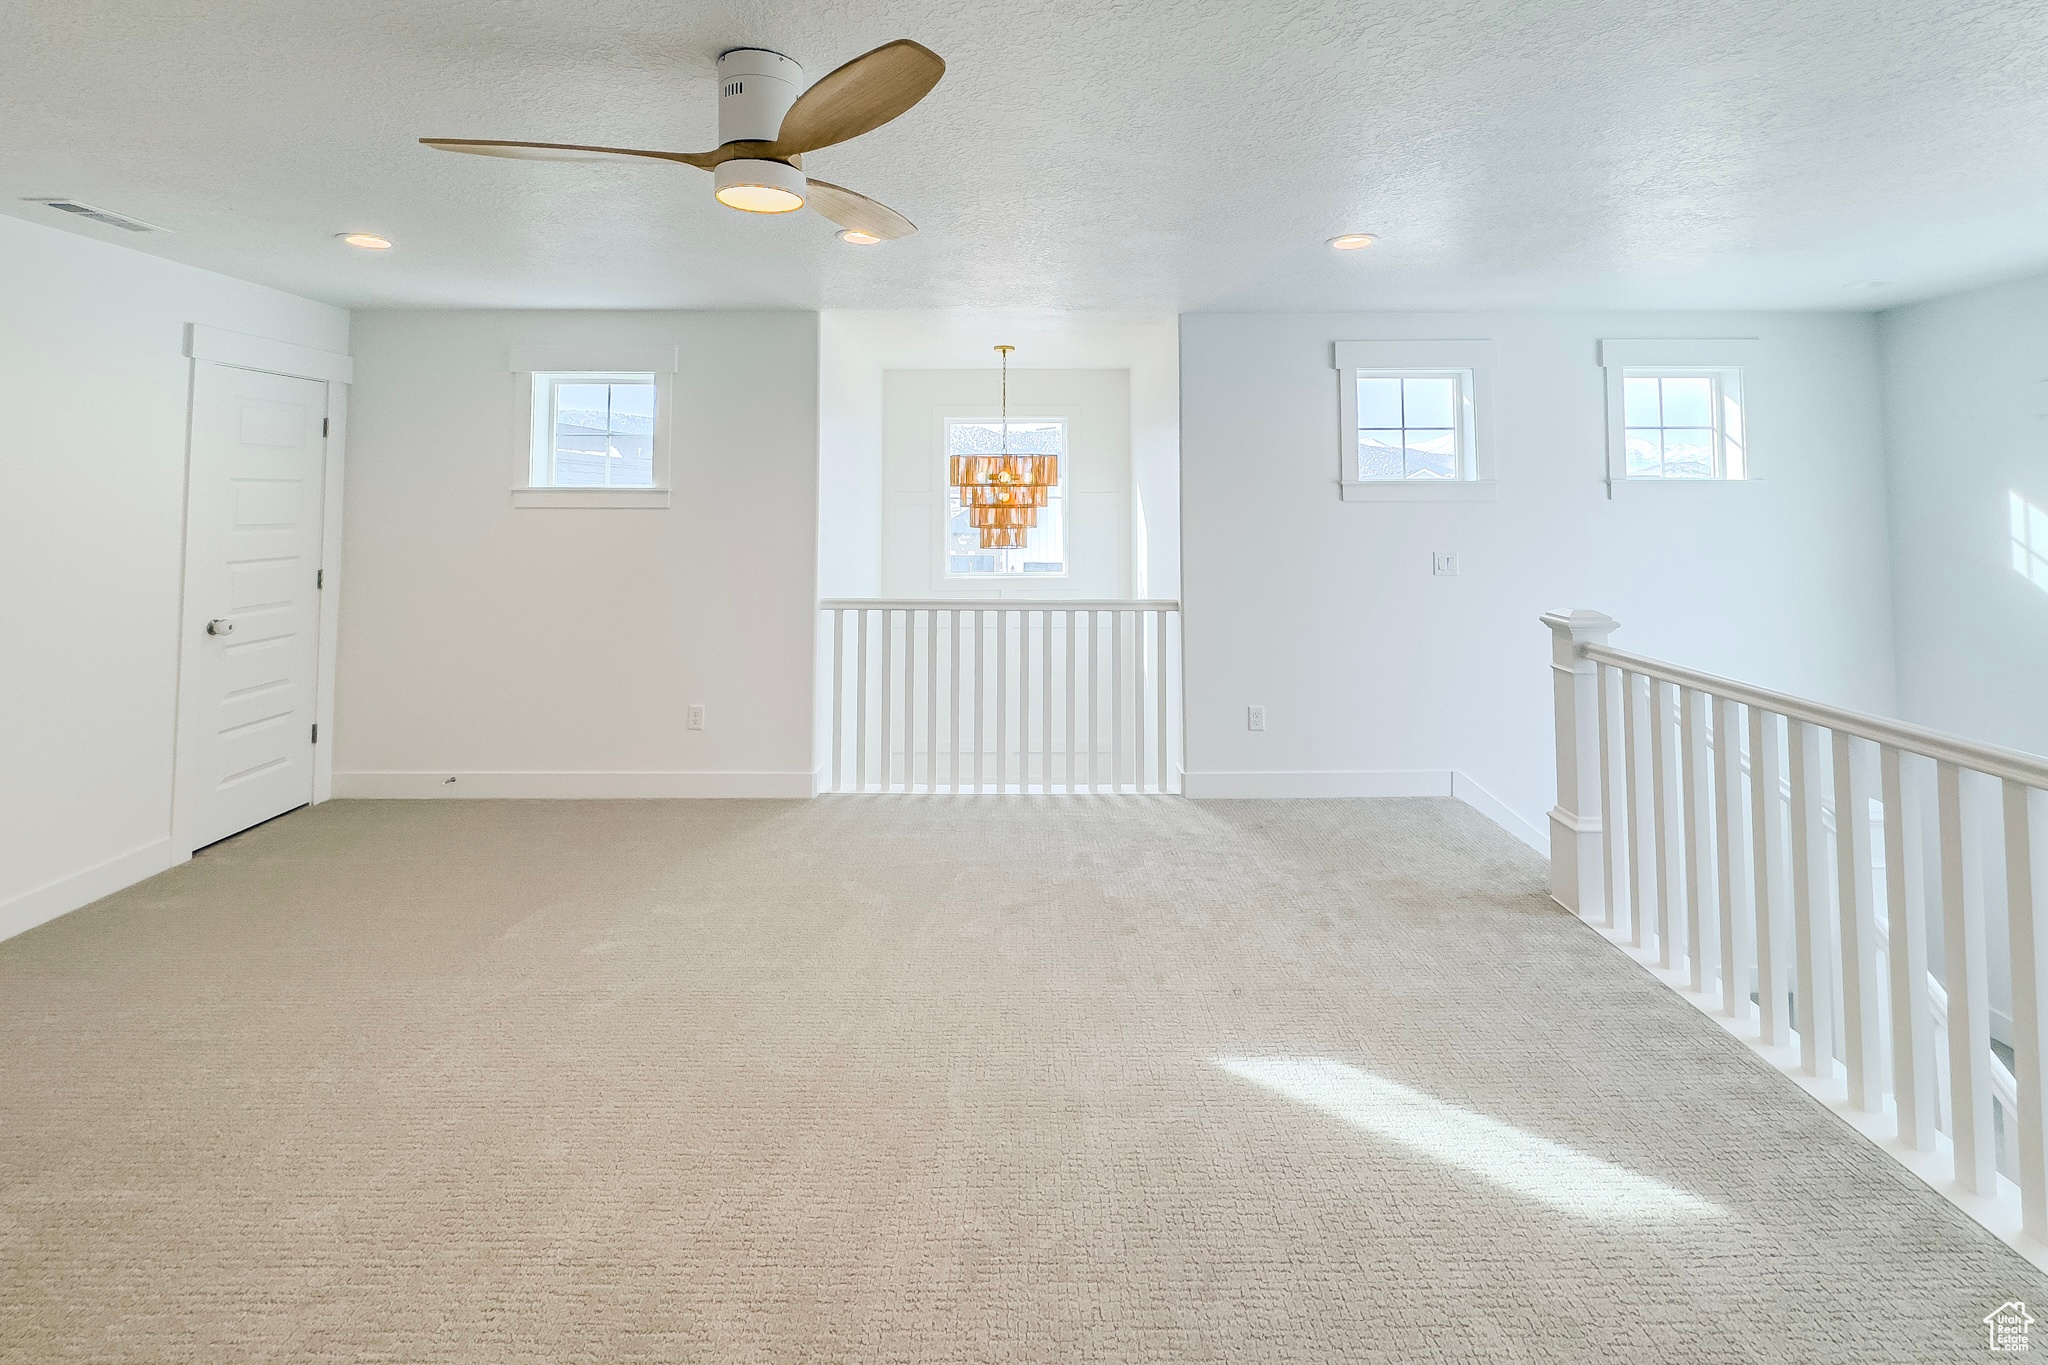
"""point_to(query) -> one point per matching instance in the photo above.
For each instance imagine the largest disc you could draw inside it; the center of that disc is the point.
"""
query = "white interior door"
(250, 654)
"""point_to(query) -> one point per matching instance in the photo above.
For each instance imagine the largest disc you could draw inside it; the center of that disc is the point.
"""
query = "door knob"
(220, 626)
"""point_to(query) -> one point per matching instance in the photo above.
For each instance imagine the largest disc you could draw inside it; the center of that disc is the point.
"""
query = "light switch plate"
(1444, 564)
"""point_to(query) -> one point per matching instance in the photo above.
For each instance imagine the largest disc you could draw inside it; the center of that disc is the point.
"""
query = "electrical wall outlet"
(1444, 564)
(1254, 717)
(696, 721)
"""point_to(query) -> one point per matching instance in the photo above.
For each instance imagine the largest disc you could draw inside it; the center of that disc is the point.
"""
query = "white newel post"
(1576, 839)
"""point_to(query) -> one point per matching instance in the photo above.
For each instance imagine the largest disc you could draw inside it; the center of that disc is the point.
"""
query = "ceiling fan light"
(855, 237)
(760, 186)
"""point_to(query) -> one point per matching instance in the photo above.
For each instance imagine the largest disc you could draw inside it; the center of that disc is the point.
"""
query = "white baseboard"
(1277, 786)
(571, 786)
(1281, 786)
(61, 897)
(1491, 806)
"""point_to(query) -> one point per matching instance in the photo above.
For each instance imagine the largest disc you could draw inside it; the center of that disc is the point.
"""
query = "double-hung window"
(1411, 419)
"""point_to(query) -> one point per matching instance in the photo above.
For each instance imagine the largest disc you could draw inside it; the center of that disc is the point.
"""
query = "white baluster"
(1138, 694)
(1094, 697)
(1002, 697)
(1772, 875)
(1699, 834)
(1045, 702)
(2026, 901)
(980, 692)
(1024, 701)
(1862, 1045)
(1966, 978)
(1164, 657)
(1116, 701)
(1906, 913)
(860, 701)
(1072, 645)
(909, 700)
(1731, 859)
(1641, 851)
(1613, 823)
(931, 701)
(838, 695)
(1810, 936)
(1914, 1067)
(888, 678)
(954, 714)
(1664, 817)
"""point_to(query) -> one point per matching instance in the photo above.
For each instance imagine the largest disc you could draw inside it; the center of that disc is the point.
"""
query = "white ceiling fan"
(767, 121)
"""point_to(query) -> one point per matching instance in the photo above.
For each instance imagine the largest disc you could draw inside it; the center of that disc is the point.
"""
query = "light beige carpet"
(908, 1079)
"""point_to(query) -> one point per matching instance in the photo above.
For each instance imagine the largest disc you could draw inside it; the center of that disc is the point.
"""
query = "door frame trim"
(287, 358)
(235, 350)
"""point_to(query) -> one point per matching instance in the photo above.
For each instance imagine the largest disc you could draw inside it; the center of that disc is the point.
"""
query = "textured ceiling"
(1089, 154)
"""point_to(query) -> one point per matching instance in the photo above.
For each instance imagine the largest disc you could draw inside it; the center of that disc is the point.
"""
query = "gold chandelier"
(1003, 492)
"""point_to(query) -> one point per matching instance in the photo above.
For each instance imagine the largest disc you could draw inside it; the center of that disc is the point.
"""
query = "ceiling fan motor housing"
(755, 89)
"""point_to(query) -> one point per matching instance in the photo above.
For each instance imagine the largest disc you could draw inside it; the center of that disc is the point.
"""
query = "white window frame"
(946, 419)
(532, 366)
(1471, 362)
(1729, 362)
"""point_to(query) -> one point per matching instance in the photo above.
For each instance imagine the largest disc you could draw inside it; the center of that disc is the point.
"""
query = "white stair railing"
(1696, 826)
(1009, 695)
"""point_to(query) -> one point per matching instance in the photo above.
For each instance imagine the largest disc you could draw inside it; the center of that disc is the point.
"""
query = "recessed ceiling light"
(856, 237)
(368, 241)
(1352, 241)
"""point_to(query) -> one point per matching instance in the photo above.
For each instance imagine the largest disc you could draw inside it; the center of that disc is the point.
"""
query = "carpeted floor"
(908, 1079)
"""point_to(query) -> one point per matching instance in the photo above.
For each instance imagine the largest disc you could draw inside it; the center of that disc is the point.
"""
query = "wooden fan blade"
(857, 211)
(563, 151)
(859, 97)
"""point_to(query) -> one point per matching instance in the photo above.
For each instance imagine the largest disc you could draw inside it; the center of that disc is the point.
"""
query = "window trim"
(1472, 359)
(948, 416)
(528, 362)
(1722, 358)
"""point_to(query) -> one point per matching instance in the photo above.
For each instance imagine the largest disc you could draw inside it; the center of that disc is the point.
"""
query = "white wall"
(850, 476)
(1096, 471)
(1966, 425)
(1380, 678)
(554, 651)
(94, 386)
(859, 346)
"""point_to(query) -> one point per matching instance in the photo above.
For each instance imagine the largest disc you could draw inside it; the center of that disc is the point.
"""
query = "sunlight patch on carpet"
(1531, 1166)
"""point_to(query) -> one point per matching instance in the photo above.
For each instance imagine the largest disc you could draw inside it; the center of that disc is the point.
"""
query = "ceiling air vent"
(72, 206)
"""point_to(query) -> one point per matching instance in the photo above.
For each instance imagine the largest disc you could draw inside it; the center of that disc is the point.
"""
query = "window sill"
(590, 497)
(1657, 488)
(1419, 490)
